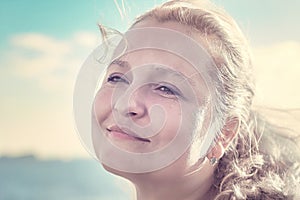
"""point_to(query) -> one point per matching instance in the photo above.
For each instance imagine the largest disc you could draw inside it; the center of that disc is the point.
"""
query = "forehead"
(173, 25)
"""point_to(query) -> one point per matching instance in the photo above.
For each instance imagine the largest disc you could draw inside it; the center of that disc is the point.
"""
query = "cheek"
(174, 116)
(102, 103)
(172, 111)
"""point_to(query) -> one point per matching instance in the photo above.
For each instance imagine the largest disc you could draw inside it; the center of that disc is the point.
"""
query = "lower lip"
(122, 136)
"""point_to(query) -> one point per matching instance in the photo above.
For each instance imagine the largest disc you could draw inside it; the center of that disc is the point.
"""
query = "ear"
(229, 131)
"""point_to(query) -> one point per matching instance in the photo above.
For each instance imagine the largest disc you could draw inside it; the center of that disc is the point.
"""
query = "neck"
(192, 186)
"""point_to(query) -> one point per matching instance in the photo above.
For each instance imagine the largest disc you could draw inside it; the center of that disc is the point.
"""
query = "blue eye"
(166, 90)
(115, 78)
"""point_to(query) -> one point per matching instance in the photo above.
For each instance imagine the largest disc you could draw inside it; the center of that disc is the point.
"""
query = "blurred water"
(27, 178)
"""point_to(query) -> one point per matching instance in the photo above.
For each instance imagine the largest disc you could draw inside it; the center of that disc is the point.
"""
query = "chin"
(135, 178)
(167, 174)
(122, 174)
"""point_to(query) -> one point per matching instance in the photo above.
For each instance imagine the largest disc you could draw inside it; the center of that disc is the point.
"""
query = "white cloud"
(48, 61)
(277, 71)
(40, 43)
(86, 39)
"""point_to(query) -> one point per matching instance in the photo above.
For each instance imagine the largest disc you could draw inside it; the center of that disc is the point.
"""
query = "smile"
(116, 132)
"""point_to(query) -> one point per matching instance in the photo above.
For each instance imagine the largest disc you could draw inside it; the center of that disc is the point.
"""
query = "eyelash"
(166, 90)
(112, 78)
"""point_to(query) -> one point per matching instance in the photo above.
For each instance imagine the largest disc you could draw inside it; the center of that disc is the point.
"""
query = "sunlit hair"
(255, 166)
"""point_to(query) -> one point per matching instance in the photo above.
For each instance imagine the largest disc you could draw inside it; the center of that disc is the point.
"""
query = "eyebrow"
(125, 64)
(121, 63)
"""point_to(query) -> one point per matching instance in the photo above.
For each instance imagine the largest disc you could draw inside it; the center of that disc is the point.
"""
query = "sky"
(44, 43)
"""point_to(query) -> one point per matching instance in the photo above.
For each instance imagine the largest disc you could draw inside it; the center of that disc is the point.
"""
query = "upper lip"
(127, 132)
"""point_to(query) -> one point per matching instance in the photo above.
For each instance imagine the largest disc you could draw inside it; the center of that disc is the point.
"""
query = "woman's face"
(154, 92)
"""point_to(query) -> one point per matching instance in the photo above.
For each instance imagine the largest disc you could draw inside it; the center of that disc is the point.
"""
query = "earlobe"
(216, 152)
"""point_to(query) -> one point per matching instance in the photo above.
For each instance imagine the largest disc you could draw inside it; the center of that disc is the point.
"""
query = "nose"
(130, 104)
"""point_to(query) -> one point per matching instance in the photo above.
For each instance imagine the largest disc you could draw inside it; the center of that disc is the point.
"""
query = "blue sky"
(44, 43)
(62, 18)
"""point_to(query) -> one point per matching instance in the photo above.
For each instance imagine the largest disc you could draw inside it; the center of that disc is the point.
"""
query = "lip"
(124, 134)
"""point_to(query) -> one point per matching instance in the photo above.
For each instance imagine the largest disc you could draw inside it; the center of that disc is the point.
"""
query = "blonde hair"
(246, 171)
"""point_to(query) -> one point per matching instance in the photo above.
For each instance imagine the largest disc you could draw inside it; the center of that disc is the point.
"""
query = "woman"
(151, 96)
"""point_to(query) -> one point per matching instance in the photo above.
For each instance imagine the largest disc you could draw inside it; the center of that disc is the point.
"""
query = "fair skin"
(189, 177)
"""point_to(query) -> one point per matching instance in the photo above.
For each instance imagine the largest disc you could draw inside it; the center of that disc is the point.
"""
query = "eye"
(116, 78)
(166, 90)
